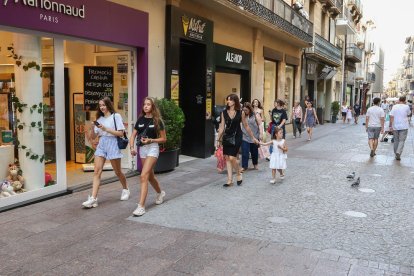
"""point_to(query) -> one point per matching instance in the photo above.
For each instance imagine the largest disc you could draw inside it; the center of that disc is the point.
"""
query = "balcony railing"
(279, 14)
(325, 51)
(334, 6)
(356, 5)
(353, 53)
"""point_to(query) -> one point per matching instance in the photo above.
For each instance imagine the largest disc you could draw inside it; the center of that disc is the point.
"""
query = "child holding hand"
(278, 156)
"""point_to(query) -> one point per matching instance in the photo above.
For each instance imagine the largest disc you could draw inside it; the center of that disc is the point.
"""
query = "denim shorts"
(152, 150)
(108, 148)
(373, 132)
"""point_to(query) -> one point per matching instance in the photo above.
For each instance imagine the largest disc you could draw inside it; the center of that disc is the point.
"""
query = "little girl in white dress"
(278, 156)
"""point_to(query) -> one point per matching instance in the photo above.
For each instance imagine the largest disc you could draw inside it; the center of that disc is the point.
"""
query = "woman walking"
(297, 119)
(150, 131)
(230, 136)
(248, 146)
(258, 109)
(344, 111)
(108, 126)
(310, 119)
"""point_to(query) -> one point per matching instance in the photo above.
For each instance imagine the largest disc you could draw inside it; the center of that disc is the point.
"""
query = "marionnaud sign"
(50, 6)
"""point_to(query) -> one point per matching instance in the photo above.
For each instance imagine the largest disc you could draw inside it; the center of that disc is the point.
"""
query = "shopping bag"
(264, 152)
(221, 161)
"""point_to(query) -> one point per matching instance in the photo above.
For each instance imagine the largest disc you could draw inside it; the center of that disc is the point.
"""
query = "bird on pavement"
(356, 183)
(351, 176)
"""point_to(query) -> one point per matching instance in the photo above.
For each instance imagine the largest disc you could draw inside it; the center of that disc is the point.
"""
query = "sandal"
(239, 182)
(228, 185)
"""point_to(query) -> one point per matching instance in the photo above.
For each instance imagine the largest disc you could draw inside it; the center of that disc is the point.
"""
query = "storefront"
(189, 77)
(57, 59)
(232, 74)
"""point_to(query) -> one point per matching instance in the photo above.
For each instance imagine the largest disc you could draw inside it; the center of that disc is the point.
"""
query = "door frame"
(127, 162)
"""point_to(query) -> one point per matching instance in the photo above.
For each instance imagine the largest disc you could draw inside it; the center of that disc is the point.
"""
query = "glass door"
(121, 62)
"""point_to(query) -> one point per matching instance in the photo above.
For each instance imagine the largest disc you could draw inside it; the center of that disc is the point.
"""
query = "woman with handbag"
(149, 131)
(230, 136)
(108, 126)
(255, 123)
(297, 119)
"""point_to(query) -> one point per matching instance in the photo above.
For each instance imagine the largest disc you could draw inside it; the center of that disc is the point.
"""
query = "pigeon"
(351, 176)
(356, 183)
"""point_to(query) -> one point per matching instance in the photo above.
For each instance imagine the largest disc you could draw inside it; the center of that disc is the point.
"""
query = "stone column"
(281, 80)
(257, 67)
(29, 91)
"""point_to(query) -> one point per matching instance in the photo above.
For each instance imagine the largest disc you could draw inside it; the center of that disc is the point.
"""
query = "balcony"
(333, 6)
(345, 24)
(355, 6)
(353, 53)
(325, 51)
(273, 15)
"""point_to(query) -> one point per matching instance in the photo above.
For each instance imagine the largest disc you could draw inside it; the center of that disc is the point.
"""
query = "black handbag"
(229, 139)
(122, 141)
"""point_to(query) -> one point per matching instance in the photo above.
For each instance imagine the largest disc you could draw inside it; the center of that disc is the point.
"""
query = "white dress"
(349, 114)
(278, 158)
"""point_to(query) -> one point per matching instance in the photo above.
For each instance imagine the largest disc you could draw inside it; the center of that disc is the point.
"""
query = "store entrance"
(92, 71)
(193, 96)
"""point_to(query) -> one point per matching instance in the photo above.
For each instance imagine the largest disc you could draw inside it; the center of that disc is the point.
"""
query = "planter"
(167, 161)
(333, 119)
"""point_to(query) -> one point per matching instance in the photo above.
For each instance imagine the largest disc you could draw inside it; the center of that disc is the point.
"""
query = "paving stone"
(357, 270)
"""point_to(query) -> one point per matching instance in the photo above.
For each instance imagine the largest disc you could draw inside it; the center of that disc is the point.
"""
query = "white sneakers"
(160, 198)
(125, 194)
(273, 181)
(139, 211)
(91, 202)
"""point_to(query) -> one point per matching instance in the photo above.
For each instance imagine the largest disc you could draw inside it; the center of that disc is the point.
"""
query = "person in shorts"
(108, 126)
(344, 111)
(149, 131)
(374, 124)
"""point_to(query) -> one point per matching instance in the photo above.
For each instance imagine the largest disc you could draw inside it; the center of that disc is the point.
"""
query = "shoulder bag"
(229, 139)
(122, 141)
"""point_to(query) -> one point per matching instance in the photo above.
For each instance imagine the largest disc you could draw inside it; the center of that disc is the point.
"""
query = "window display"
(26, 114)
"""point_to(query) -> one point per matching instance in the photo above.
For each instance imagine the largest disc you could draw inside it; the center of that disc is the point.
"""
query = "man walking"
(374, 124)
(399, 125)
(357, 112)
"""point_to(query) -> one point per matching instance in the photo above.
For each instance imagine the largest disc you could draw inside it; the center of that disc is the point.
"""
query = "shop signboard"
(98, 82)
(232, 58)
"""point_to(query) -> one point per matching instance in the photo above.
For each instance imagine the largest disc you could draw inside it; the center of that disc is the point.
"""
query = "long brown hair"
(249, 107)
(155, 112)
(109, 106)
(259, 104)
(236, 101)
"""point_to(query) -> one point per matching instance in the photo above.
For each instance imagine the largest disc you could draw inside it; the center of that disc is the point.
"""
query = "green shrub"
(174, 119)
(335, 108)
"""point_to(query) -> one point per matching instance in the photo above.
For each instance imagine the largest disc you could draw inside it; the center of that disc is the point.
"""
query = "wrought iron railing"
(279, 14)
(352, 51)
(325, 49)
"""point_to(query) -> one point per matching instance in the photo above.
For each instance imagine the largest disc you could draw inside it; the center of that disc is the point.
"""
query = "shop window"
(27, 111)
(289, 88)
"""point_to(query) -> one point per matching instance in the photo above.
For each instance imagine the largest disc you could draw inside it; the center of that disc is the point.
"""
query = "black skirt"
(233, 150)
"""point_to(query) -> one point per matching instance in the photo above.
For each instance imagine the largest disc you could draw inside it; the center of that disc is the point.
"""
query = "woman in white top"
(297, 119)
(344, 111)
(107, 149)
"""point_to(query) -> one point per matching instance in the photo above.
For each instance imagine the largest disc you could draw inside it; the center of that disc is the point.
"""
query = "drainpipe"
(343, 88)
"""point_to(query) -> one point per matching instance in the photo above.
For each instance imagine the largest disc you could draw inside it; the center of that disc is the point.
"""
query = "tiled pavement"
(296, 227)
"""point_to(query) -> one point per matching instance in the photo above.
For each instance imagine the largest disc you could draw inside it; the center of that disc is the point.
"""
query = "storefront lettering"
(51, 6)
(193, 28)
(232, 57)
(197, 26)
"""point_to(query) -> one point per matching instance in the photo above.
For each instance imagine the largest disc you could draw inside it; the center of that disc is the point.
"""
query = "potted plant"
(335, 110)
(174, 119)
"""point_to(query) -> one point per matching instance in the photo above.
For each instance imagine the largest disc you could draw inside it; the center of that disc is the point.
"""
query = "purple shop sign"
(91, 19)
